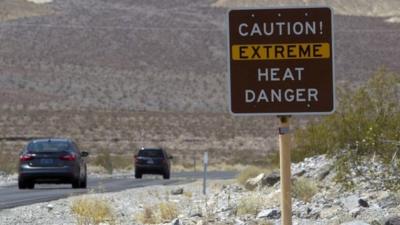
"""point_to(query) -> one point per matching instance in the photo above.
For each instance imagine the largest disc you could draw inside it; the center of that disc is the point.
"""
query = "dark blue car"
(152, 161)
(52, 161)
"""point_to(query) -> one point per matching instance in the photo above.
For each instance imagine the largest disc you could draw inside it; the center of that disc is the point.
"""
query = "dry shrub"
(163, 211)
(147, 216)
(188, 194)
(104, 160)
(264, 223)
(251, 204)
(8, 163)
(168, 211)
(90, 210)
(249, 172)
(304, 189)
(122, 162)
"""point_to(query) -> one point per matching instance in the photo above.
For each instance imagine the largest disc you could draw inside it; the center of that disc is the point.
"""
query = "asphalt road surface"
(11, 196)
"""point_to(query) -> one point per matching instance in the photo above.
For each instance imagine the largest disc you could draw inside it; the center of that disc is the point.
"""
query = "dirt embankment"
(15, 9)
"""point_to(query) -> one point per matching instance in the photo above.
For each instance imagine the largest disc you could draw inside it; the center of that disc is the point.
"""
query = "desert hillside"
(158, 55)
(373, 8)
(112, 59)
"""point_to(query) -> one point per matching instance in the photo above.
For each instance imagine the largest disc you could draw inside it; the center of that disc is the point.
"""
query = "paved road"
(11, 196)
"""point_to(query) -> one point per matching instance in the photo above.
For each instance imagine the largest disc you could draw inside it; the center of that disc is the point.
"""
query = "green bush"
(365, 119)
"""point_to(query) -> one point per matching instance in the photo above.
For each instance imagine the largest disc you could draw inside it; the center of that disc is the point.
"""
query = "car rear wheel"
(21, 184)
(166, 175)
(84, 182)
(30, 185)
(138, 175)
(76, 183)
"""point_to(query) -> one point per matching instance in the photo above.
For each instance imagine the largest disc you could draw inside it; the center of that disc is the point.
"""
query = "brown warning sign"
(281, 61)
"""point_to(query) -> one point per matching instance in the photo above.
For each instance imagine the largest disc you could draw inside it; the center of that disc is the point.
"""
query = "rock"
(177, 191)
(350, 202)
(393, 221)
(269, 214)
(225, 208)
(389, 201)
(328, 213)
(254, 182)
(363, 203)
(355, 212)
(375, 222)
(355, 222)
(271, 179)
(176, 222)
(299, 173)
(239, 222)
(196, 214)
(262, 180)
(233, 188)
(49, 207)
(324, 173)
(313, 214)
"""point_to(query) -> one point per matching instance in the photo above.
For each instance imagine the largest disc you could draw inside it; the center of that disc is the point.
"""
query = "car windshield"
(156, 153)
(49, 146)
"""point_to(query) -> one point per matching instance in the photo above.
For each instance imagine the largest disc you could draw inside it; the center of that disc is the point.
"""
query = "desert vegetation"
(121, 133)
(250, 204)
(92, 210)
(164, 211)
(120, 99)
(304, 189)
(364, 128)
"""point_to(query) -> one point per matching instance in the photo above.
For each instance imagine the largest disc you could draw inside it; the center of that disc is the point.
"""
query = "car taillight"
(69, 157)
(26, 157)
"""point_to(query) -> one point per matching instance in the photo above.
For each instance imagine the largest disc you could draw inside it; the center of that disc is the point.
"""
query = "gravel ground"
(8, 179)
(227, 203)
(126, 204)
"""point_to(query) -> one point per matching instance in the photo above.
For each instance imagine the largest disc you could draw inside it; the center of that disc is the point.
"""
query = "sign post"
(205, 162)
(281, 63)
(285, 160)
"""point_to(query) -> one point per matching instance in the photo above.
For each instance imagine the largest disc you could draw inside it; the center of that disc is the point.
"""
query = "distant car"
(52, 161)
(152, 161)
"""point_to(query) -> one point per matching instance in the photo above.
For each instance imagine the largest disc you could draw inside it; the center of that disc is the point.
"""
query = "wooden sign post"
(285, 161)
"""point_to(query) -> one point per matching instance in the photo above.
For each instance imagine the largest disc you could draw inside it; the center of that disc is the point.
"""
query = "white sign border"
(280, 113)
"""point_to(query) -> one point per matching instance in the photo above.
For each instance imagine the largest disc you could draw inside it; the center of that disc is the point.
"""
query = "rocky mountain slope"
(373, 8)
(158, 55)
(160, 65)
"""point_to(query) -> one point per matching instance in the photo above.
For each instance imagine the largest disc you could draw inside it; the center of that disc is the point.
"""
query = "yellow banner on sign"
(281, 51)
